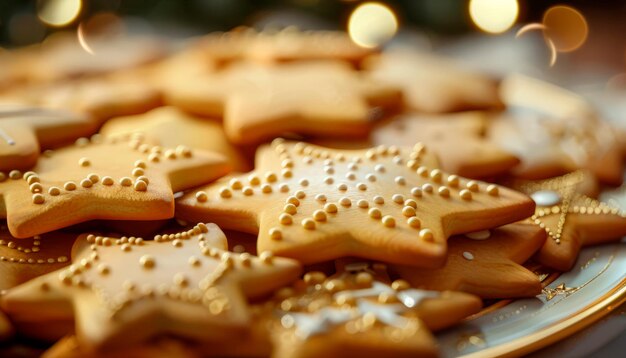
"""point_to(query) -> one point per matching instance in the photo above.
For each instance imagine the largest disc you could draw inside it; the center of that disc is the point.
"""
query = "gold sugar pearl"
(94, 178)
(398, 199)
(201, 197)
(436, 175)
(285, 219)
(140, 186)
(140, 164)
(266, 257)
(38, 199)
(270, 177)
(320, 197)
(293, 200)
(319, 215)
(36, 188)
(107, 180)
(54, 191)
(379, 200)
(426, 235)
(414, 222)
(363, 204)
(408, 211)
(33, 178)
(444, 192)
(453, 181)
(144, 179)
(427, 188)
(389, 221)
(84, 162)
(86, 183)
(308, 224)
(422, 171)
(147, 261)
(330, 208)
(138, 172)
(225, 193)
(276, 234)
(126, 181)
(345, 202)
(69, 186)
(416, 192)
(465, 194)
(283, 188)
(361, 186)
(290, 209)
(254, 180)
(472, 185)
(493, 190)
(375, 213)
(400, 180)
(300, 194)
(235, 184)
(410, 202)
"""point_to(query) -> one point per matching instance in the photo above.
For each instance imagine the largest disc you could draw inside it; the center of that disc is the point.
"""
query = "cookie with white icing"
(571, 219)
(355, 313)
(485, 263)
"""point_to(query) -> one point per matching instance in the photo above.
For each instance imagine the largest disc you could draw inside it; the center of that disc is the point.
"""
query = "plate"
(570, 302)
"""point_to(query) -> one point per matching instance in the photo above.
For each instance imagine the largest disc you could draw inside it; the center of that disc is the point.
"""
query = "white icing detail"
(308, 325)
(468, 255)
(386, 313)
(479, 235)
(6, 137)
(546, 197)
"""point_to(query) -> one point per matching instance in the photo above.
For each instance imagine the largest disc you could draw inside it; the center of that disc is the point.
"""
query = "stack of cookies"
(284, 194)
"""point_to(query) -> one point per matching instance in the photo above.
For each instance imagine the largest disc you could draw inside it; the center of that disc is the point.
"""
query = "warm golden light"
(493, 16)
(566, 27)
(58, 13)
(371, 24)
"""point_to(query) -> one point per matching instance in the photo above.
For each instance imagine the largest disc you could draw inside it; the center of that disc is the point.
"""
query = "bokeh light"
(371, 24)
(494, 16)
(566, 27)
(58, 13)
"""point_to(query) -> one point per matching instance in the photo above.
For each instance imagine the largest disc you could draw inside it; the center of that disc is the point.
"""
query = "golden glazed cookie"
(105, 178)
(259, 103)
(571, 219)
(123, 292)
(355, 313)
(434, 84)
(286, 45)
(485, 263)
(25, 130)
(553, 132)
(386, 203)
(458, 140)
(169, 126)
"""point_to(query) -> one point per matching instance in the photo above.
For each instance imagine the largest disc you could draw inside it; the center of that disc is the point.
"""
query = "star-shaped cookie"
(24, 259)
(103, 178)
(100, 97)
(387, 204)
(125, 291)
(485, 263)
(25, 130)
(259, 103)
(554, 132)
(571, 219)
(169, 126)
(458, 140)
(433, 84)
(355, 313)
(286, 45)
